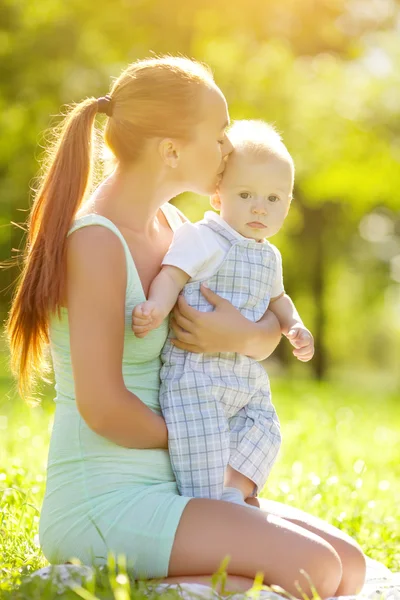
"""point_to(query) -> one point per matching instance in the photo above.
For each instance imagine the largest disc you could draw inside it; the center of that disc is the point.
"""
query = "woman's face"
(202, 159)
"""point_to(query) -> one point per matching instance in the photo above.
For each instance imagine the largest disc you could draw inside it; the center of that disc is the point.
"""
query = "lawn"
(340, 460)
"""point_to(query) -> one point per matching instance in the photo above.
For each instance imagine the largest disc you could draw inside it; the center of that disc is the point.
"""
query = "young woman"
(110, 485)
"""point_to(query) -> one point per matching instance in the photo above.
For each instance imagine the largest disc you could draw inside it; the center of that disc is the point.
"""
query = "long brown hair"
(156, 97)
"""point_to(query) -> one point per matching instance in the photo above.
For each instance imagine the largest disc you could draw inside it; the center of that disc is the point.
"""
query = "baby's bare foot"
(253, 502)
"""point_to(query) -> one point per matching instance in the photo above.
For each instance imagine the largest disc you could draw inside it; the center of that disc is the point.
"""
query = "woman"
(110, 486)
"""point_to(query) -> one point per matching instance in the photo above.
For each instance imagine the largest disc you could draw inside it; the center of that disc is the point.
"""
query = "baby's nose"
(259, 210)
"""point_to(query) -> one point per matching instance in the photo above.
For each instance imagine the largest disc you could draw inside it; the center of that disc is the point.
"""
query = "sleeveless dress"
(101, 497)
(218, 407)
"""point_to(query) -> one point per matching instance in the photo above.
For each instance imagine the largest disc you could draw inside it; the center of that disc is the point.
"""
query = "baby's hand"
(303, 341)
(145, 317)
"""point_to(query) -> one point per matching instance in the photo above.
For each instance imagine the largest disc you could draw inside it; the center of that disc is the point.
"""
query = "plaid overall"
(218, 407)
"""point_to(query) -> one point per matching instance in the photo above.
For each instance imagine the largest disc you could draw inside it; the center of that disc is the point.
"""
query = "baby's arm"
(163, 294)
(293, 327)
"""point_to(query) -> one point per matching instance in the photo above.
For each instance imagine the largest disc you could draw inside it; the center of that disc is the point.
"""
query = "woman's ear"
(215, 201)
(169, 152)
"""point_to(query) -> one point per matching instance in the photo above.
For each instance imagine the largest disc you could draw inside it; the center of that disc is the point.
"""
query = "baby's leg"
(238, 481)
(255, 439)
(198, 436)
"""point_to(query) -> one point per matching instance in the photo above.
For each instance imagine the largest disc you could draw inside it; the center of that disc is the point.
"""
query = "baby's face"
(255, 194)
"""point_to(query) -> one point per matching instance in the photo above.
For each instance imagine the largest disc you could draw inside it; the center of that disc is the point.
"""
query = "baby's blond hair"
(257, 138)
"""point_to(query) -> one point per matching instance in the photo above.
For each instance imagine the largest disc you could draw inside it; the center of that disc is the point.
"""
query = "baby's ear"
(215, 201)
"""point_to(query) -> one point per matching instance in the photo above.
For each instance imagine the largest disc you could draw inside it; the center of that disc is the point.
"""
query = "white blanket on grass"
(381, 584)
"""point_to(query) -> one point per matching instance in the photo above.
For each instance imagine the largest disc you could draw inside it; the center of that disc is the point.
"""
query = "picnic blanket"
(380, 584)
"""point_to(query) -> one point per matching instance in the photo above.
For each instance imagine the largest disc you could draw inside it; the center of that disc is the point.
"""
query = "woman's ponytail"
(66, 176)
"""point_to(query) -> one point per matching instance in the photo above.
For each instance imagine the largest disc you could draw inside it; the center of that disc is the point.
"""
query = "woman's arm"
(96, 286)
(223, 330)
(263, 343)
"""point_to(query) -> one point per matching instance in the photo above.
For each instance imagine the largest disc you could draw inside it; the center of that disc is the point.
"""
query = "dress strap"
(95, 219)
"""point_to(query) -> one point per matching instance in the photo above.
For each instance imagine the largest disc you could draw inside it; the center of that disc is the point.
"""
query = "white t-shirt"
(200, 251)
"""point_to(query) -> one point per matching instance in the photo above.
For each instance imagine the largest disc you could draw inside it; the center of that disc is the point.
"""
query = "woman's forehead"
(216, 108)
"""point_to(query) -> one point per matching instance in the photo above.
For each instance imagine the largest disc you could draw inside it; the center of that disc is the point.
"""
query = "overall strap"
(225, 233)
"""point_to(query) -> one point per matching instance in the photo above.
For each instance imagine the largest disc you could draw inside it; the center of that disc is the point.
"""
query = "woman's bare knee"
(352, 560)
(354, 569)
(324, 572)
(350, 553)
(209, 531)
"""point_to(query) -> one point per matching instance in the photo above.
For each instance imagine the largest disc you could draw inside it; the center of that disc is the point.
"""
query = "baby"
(217, 407)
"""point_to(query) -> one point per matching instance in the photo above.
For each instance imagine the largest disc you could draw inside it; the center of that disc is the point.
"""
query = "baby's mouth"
(257, 225)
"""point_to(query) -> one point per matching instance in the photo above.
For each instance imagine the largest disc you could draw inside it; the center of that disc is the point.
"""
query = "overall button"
(189, 292)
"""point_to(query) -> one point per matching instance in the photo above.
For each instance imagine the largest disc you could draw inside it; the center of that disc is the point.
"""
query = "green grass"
(340, 461)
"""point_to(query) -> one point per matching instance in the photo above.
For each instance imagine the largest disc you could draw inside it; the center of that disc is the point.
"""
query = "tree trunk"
(313, 246)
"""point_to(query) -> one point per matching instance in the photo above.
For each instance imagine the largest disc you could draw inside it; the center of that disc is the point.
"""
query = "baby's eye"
(220, 142)
(244, 195)
(273, 198)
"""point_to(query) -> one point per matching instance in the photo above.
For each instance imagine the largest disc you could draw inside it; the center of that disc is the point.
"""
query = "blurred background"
(325, 72)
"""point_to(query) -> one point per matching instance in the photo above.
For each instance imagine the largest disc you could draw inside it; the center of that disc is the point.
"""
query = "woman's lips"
(257, 225)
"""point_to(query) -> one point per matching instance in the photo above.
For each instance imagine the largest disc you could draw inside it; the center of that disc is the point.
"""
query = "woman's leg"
(351, 555)
(210, 530)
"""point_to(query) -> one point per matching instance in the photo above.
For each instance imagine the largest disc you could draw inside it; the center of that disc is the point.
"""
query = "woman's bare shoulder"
(95, 260)
(93, 244)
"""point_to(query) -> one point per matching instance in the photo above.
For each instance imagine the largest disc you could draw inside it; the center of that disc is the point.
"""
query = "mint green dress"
(101, 497)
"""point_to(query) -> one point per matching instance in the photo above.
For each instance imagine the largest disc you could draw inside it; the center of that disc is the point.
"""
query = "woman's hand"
(224, 329)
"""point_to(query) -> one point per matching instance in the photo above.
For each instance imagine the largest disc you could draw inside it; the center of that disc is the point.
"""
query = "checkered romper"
(218, 407)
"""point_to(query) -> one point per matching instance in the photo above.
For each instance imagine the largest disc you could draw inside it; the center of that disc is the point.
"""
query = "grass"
(340, 461)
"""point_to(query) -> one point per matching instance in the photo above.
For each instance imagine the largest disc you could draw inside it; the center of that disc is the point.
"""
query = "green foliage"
(326, 73)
